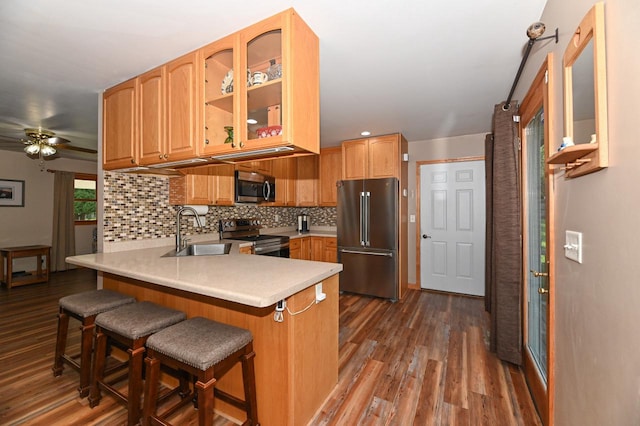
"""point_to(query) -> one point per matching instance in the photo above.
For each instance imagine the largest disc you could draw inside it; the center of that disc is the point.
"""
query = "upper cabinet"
(375, 157)
(252, 94)
(330, 173)
(253, 107)
(120, 131)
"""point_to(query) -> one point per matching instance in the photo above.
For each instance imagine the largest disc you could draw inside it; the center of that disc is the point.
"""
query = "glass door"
(262, 115)
(221, 88)
(537, 258)
(538, 253)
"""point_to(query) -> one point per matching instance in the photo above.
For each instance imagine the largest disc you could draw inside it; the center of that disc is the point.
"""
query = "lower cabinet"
(322, 249)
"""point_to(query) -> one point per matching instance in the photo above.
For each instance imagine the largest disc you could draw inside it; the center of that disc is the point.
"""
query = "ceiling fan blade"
(77, 148)
(56, 140)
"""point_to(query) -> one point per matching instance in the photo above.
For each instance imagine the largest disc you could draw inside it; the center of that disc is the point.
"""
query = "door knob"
(426, 236)
(542, 290)
(539, 274)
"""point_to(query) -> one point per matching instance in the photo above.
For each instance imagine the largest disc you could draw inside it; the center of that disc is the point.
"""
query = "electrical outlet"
(412, 218)
(573, 246)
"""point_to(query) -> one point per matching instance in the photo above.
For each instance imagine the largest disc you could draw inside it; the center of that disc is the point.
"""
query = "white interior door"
(452, 222)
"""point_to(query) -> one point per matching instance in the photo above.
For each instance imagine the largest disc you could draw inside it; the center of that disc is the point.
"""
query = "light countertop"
(258, 281)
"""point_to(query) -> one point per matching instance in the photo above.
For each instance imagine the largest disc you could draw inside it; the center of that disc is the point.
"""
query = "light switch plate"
(573, 246)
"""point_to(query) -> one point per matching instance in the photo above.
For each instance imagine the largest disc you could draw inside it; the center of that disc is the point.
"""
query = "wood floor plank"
(423, 360)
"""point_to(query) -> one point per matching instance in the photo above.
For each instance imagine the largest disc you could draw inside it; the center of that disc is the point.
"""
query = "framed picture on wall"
(11, 193)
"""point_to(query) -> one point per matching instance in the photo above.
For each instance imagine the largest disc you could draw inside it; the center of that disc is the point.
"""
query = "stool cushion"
(93, 302)
(139, 319)
(199, 342)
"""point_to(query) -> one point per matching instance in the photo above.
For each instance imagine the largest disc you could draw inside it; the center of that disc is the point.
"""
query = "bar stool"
(84, 307)
(128, 326)
(205, 349)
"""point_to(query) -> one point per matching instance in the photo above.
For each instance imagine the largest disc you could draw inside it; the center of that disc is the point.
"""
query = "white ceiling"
(428, 69)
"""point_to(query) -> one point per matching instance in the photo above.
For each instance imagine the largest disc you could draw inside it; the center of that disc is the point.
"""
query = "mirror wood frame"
(591, 28)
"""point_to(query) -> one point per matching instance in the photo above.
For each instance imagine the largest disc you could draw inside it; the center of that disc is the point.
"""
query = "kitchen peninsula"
(296, 359)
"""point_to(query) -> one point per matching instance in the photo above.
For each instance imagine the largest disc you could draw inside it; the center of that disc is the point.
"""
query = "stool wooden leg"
(249, 382)
(85, 356)
(135, 382)
(204, 386)
(152, 379)
(98, 368)
(61, 342)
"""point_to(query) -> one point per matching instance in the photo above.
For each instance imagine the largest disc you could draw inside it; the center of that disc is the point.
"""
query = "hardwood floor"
(423, 360)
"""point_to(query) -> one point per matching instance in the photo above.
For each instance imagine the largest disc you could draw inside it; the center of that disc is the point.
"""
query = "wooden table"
(38, 276)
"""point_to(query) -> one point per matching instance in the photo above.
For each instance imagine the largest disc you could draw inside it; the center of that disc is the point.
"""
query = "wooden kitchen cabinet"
(120, 130)
(317, 248)
(162, 107)
(186, 108)
(151, 113)
(307, 181)
(375, 157)
(281, 42)
(331, 249)
(182, 107)
(191, 189)
(284, 171)
(324, 249)
(210, 185)
(329, 174)
(300, 248)
(321, 249)
(223, 185)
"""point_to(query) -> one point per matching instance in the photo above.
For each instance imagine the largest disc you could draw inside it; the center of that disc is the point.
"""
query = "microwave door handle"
(266, 190)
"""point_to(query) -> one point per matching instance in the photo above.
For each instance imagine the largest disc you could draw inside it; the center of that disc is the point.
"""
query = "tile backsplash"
(136, 207)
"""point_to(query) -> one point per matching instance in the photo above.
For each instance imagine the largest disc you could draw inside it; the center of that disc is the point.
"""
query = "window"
(85, 199)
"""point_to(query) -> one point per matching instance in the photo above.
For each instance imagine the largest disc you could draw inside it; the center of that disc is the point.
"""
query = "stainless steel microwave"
(254, 187)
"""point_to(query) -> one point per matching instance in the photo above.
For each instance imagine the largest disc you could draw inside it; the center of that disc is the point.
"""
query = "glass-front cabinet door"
(221, 95)
(251, 101)
(261, 114)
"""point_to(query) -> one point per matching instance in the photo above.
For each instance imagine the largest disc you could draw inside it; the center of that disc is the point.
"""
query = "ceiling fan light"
(47, 150)
(32, 149)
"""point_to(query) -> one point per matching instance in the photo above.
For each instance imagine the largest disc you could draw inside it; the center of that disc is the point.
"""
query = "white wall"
(33, 223)
(598, 302)
(436, 149)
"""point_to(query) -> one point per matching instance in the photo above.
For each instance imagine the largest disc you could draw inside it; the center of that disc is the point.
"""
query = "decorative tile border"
(136, 207)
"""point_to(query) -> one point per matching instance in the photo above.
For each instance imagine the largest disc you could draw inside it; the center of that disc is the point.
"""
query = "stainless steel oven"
(249, 230)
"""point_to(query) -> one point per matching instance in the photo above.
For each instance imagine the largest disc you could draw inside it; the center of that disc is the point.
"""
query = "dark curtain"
(503, 292)
(63, 240)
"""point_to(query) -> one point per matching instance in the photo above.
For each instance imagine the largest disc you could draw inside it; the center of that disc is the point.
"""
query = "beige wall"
(32, 224)
(598, 302)
(436, 149)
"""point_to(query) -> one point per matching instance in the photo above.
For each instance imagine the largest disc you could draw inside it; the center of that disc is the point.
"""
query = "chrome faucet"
(179, 243)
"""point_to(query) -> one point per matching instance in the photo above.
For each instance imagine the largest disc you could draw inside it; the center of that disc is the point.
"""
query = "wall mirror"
(585, 97)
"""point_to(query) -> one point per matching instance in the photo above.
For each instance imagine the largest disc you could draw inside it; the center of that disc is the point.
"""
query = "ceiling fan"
(45, 142)
(42, 143)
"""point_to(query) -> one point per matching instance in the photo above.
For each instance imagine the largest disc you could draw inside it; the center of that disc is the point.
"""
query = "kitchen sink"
(201, 250)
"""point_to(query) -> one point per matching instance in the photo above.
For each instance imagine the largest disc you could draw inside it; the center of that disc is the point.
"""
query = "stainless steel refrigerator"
(368, 236)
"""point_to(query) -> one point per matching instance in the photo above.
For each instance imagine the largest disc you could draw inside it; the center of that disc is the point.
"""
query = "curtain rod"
(530, 44)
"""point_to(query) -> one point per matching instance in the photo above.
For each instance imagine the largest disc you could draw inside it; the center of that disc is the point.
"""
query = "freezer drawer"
(372, 273)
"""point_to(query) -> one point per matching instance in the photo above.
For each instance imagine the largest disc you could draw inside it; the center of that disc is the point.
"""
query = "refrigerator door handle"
(366, 252)
(362, 220)
(367, 202)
